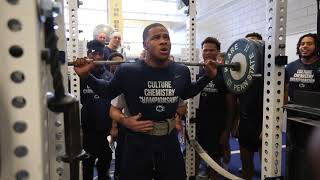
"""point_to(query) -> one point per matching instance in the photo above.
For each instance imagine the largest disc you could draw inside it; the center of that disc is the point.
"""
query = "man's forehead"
(117, 58)
(307, 39)
(210, 46)
(253, 38)
(116, 34)
(158, 30)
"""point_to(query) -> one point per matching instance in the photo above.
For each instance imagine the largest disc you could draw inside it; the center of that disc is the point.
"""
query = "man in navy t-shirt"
(302, 74)
(95, 121)
(214, 106)
(251, 117)
(152, 88)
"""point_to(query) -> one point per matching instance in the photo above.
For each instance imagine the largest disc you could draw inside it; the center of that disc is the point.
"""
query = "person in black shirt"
(96, 123)
(216, 103)
(250, 124)
(302, 74)
(152, 88)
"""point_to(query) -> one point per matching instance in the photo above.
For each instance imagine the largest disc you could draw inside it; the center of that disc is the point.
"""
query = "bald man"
(114, 44)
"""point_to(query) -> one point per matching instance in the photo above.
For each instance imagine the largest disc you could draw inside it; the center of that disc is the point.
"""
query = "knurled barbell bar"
(244, 62)
(234, 66)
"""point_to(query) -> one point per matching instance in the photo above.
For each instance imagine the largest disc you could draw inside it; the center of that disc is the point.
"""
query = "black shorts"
(96, 143)
(209, 139)
(143, 156)
(249, 136)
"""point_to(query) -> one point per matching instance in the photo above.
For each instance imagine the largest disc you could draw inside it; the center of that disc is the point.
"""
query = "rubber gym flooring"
(235, 163)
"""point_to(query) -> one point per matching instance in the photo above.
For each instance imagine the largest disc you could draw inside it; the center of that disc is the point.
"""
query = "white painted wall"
(229, 20)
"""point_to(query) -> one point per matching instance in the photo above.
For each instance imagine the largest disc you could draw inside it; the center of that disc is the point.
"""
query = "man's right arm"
(193, 88)
(105, 89)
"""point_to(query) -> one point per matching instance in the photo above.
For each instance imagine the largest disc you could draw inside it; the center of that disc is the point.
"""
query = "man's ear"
(145, 45)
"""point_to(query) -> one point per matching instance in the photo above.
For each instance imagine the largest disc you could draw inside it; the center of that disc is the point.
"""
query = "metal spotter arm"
(57, 168)
(62, 102)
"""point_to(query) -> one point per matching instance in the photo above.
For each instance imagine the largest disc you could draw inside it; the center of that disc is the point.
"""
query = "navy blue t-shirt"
(213, 106)
(302, 76)
(107, 52)
(95, 109)
(251, 115)
(154, 92)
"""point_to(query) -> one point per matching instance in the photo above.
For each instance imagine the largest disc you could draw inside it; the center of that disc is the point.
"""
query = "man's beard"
(308, 58)
(161, 60)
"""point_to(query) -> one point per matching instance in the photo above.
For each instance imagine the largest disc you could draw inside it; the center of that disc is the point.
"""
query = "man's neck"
(205, 60)
(309, 60)
(156, 63)
(112, 47)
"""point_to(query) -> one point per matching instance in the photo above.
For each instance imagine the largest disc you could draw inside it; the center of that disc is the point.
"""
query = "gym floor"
(235, 163)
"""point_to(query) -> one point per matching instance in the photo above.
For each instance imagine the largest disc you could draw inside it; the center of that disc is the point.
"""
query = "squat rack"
(276, 17)
(27, 149)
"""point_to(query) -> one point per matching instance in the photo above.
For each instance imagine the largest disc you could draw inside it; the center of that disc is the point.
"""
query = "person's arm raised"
(103, 88)
(83, 67)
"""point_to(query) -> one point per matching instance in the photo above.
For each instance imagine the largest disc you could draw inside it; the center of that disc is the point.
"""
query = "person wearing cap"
(95, 121)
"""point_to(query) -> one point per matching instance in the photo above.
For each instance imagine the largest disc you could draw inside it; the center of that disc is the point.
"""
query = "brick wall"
(229, 20)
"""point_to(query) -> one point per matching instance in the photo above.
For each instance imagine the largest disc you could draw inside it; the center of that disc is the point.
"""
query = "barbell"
(234, 66)
(243, 63)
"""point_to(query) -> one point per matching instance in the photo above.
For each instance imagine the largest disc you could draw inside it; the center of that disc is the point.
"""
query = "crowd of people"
(141, 106)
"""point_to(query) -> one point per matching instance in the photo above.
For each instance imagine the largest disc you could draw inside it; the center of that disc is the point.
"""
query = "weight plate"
(249, 54)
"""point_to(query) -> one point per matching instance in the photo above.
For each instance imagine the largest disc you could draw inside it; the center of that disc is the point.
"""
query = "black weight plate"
(249, 54)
